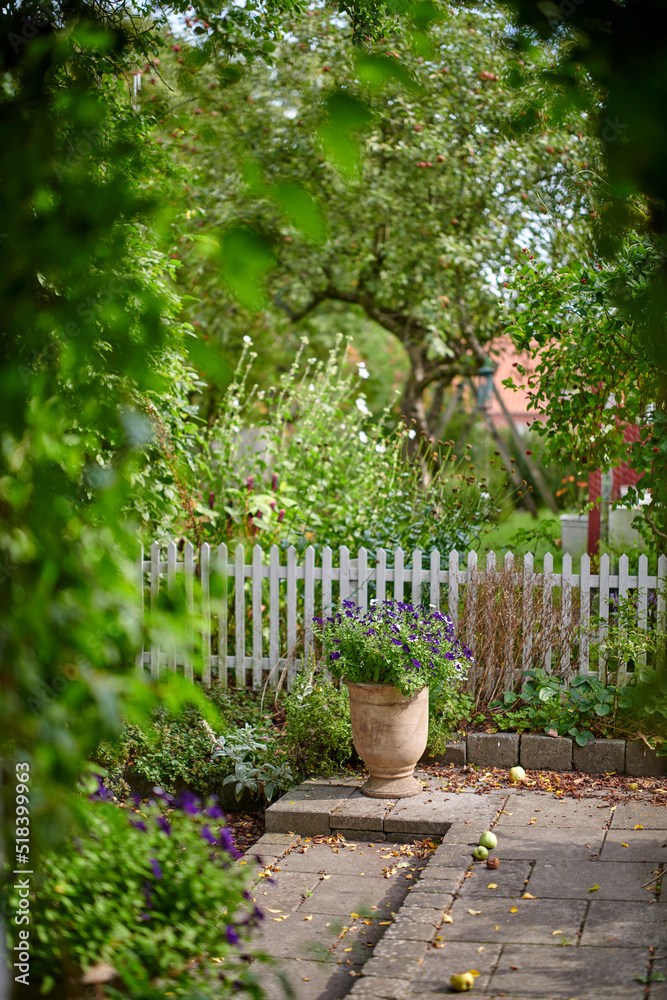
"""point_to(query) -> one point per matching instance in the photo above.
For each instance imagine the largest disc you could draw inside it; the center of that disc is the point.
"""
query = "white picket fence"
(282, 598)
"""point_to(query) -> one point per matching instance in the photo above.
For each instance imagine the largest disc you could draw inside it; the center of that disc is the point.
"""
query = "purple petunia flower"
(417, 664)
(215, 812)
(138, 824)
(164, 824)
(148, 894)
(227, 841)
(157, 871)
(189, 803)
(208, 836)
(232, 934)
(335, 656)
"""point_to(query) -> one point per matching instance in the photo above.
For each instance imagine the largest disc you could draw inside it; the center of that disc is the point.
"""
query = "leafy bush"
(175, 752)
(582, 708)
(447, 715)
(147, 891)
(317, 730)
(393, 643)
(251, 762)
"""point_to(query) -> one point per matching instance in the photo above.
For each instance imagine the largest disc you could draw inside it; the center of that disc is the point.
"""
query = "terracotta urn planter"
(390, 732)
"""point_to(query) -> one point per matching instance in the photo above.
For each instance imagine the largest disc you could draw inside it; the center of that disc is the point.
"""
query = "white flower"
(247, 339)
(412, 434)
(311, 387)
(363, 371)
(363, 437)
(362, 407)
(380, 448)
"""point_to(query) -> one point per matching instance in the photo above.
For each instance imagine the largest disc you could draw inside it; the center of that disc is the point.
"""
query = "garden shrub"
(253, 763)
(153, 892)
(175, 752)
(318, 732)
(448, 715)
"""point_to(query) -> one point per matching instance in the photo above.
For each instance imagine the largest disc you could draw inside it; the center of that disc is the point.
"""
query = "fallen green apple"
(480, 853)
(461, 983)
(517, 774)
(488, 840)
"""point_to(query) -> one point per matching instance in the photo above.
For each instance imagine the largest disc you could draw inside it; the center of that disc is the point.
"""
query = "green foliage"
(146, 893)
(625, 643)
(410, 191)
(305, 464)
(253, 757)
(583, 708)
(317, 732)
(448, 715)
(393, 643)
(593, 371)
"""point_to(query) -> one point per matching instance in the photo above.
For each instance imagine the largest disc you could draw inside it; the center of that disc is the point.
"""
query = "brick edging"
(553, 753)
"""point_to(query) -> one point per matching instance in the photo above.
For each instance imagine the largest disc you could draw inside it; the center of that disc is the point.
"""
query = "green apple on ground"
(517, 774)
(488, 840)
(480, 853)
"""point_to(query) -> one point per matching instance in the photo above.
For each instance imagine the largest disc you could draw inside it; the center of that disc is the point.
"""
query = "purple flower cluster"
(393, 640)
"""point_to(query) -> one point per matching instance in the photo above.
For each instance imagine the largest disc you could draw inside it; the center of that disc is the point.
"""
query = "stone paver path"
(573, 912)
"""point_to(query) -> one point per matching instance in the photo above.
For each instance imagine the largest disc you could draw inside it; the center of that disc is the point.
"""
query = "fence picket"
(547, 602)
(362, 580)
(661, 593)
(509, 651)
(472, 593)
(291, 613)
(398, 575)
(274, 614)
(344, 563)
(434, 580)
(623, 587)
(257, 617)
(566, 611)
(453, 587)
(381, 576)
(308, 599)
(239, 616)
(327, 577)
(604, 615)
(353, 577)
(155, 590)
(527, 610)
(642, 601)
(584, 612)
(416, 592)
(223, 616)
(205, 569)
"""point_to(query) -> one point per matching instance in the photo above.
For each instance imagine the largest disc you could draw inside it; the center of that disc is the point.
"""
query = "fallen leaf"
(308, 918)
(594, 888)
(514, 967)
(347, 949)
(448, 919)
(492, 885)
(481, 948)
(473, 972)
(556, 932)
(355, 916)
(474, 913)
(384, 923)
(624, 845)
(273, 911)
(514, 909)
(496, 928)
(531, 821)
(638, 826)
(326, 876)
(528, 895)
(305, 979)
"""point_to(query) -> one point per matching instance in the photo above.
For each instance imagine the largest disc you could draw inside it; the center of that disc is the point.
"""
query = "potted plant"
(388, 657)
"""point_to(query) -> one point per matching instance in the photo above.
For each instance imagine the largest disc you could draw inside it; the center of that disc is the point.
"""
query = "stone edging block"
(552, 753)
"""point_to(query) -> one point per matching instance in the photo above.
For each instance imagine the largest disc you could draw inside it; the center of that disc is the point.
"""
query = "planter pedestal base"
(390, 731)
(391, 788)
